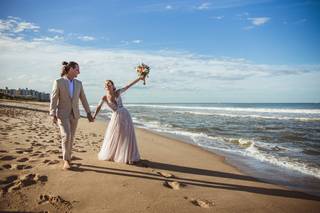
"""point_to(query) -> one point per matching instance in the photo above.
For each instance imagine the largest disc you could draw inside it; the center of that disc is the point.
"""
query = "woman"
(119, 143)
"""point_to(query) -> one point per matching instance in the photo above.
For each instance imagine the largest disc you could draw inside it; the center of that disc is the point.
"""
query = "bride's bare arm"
(98, 107)
(132, 83)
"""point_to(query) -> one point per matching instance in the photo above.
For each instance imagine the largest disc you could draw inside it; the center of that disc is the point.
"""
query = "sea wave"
(272, 153)
(253, 151)
(246, 147)
(277, 117)
(260, 153)
(237, 109)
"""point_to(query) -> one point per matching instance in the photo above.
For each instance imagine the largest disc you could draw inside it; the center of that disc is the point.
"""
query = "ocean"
(278, 143)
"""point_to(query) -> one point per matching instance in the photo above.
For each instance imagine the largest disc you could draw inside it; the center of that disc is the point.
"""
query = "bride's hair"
(113, 96)
(107, 81)
(66, 67)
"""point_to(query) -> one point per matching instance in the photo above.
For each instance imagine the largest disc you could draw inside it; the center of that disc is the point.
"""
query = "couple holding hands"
(119, 142)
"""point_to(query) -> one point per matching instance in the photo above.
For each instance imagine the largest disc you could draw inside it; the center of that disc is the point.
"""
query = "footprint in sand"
(165, 174)
(50, 162)
(75, 158)
(16, 166)
(13, 182)
(24, 150)
(3, 151)
(92, 134)
(53, 151)
(9, 179)
(27, 180)
(201, 203)
(36, 144)
(7, 158)
(56, 201)
(23, 159)
(42, 155)
(174, 185)
(22, 167)
(7, 166)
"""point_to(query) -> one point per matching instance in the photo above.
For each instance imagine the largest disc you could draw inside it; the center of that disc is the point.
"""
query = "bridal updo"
(66, 67)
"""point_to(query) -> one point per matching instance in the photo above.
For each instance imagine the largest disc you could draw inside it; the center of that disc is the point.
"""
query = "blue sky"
(199, 51)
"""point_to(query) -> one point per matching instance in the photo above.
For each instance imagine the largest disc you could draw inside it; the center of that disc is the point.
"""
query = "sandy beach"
(173, 176)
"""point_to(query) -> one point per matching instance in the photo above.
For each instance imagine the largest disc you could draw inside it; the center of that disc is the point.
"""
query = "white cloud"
(54, 38)
(257, 21)
(126, 43)
(14, 25)
(137, 41)
(5, 25)
(204, 6)
(191, 5)
(34, 64)
(217, 17)
(254, 21)
(52, 30)
(14, 17)
(22, 26)
(86, 38)
(174, 71)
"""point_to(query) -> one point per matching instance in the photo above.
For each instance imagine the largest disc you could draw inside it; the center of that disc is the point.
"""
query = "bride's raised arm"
(132, 83)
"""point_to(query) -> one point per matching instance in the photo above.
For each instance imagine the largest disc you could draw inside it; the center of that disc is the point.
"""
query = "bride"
(119, 143)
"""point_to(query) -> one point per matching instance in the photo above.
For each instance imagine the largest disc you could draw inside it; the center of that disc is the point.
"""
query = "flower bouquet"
(143, 71)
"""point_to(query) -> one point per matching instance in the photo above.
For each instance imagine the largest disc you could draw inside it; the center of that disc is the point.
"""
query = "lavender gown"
(119, 144)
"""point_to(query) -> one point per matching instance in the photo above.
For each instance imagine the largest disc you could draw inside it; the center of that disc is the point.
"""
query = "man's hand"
(90, 118)
(54, 119)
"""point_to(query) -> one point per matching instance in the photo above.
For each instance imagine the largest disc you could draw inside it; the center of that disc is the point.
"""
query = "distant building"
(24, 94)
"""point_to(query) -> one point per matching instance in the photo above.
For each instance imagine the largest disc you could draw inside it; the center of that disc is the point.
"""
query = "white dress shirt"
(71, 87)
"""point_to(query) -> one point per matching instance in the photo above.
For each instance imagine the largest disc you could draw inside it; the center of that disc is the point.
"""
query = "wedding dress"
(119, 144)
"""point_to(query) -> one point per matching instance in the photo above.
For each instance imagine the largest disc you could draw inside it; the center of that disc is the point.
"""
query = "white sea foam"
(253, 152)
(249, 147)
(277, 117)
(285, 162)
(245, 141)
(237, 109)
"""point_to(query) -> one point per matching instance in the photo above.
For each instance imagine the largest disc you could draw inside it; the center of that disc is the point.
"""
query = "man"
(64, 107)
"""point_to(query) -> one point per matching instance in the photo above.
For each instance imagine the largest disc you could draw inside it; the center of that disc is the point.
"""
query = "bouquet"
(143, 71)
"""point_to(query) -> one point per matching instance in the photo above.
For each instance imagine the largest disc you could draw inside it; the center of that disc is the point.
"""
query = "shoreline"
(189, 143)
(30, 149)
(227, 158)
(242, 166)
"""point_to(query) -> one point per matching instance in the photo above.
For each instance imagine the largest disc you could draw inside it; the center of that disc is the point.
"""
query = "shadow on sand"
(195, 182)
